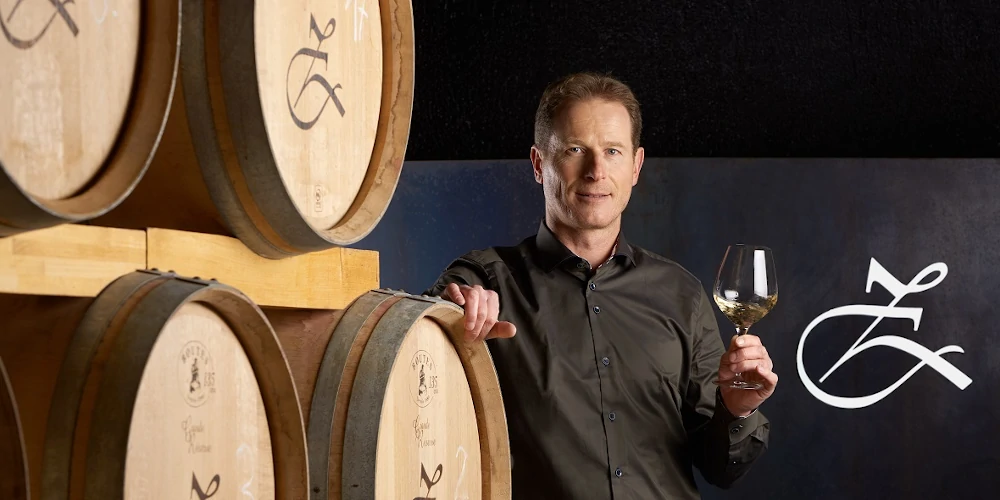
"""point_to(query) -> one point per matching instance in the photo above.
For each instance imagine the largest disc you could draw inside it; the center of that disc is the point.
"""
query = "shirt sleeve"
(464, 271)
(723, 446)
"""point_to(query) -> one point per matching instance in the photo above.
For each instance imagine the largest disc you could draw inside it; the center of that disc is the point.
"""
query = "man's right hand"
(482, 308)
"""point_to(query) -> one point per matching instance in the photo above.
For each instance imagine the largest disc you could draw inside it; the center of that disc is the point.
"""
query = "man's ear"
(536, 163)
(640, 156)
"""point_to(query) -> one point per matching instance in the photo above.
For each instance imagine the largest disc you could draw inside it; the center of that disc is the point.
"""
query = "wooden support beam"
(69, 260)
(328, 279)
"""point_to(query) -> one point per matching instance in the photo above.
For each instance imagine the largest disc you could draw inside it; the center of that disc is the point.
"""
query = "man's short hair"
(580, 87)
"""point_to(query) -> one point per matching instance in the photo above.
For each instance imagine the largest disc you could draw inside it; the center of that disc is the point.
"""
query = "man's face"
(588, 168)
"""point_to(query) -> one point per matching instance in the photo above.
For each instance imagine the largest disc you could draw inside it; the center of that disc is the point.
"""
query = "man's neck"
(594, 245)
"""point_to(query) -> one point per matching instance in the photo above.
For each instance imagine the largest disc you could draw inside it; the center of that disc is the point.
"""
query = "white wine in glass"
(746, 289)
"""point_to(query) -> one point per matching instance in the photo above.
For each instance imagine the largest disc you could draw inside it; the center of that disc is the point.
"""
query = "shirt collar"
(553, 253)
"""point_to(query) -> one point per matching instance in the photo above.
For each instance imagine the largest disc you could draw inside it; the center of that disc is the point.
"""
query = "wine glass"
(746, 289)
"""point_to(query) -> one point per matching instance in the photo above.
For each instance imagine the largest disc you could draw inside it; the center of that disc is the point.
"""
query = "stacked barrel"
(281, 124)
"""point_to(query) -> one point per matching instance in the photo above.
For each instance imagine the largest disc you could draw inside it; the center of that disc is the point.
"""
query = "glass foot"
(739, 383)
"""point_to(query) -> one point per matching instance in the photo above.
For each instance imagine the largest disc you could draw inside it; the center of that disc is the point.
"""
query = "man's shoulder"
(491, 257)
(663, 267)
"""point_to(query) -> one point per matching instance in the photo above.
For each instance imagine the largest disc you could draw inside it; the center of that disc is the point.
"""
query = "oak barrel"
(161, 387)
(13, 471)
(290, 129)
(84, 94)
(398, 405)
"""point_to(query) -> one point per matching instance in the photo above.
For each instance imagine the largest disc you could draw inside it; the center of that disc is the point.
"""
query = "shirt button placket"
(606, 361)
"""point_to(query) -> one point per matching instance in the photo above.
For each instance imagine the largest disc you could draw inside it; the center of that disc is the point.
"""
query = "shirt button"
(734, 430)
(611, 416)
(597, 309)
(618, 472)
(606, 361)
(593, 286)
(581, 265)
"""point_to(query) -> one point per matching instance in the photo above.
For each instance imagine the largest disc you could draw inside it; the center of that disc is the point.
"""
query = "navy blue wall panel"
(834, 225)
(826, 220)
(442, 210)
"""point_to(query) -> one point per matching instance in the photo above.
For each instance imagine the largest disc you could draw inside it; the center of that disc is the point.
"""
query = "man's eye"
(575, 150)
(614, 151)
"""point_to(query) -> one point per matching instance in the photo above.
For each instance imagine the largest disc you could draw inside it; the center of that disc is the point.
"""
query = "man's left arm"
(724, 443)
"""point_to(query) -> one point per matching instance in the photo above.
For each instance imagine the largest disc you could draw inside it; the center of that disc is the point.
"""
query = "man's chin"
(593, 223)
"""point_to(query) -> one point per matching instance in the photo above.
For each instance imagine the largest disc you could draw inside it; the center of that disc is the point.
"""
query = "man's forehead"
(605, 107)
(609, 116)
(604, 140)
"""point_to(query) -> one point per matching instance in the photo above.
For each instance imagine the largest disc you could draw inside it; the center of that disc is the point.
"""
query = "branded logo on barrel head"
(196, 373)
(319, 197)
(423, 378)
(59, 14)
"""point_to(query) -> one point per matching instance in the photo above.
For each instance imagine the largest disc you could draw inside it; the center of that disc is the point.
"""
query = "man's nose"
(597, 166)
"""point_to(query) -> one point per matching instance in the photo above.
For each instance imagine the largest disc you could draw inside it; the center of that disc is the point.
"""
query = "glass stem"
(740, 331)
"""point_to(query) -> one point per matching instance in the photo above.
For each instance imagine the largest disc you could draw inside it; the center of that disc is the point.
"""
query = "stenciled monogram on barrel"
(209, 491)
(878, 274)
(429, 481)
(313, 80)
(60, 15)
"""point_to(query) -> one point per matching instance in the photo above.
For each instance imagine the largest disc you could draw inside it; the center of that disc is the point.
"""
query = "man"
(609, 382)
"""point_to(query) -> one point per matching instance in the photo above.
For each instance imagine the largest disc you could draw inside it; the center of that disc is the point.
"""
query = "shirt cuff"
(738, 427)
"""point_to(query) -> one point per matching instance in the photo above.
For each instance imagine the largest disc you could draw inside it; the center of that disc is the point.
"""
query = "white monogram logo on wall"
(926, 357)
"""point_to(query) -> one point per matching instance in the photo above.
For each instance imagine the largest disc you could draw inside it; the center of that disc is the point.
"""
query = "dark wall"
(442, 210)
(826, 221)
(883, 78)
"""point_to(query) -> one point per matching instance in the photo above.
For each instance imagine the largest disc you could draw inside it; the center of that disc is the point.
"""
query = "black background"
(878, 78)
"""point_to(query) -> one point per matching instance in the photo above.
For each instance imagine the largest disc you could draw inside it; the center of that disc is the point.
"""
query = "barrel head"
(320, 77)
(68, 74)
(199, 427)
(425, 417)
(428, 442)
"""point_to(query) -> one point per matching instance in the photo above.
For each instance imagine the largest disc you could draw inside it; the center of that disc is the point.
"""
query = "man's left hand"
(748, 356)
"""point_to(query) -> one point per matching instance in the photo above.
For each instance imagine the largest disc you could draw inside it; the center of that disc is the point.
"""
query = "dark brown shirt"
(608, 383)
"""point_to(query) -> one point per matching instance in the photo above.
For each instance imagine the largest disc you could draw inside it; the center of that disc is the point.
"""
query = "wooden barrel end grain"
(400, 406)
(291, 128)
(167, 386)
(83, 97)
